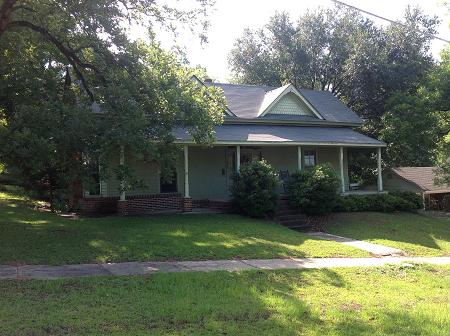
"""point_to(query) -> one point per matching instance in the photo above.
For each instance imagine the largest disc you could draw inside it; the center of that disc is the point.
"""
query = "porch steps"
(291, 218)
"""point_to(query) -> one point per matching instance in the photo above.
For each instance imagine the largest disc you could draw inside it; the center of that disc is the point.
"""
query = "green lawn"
(415, 234)
(391, 300)
(34, 237)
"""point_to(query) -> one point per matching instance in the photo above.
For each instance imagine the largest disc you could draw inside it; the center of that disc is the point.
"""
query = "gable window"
(309, 158)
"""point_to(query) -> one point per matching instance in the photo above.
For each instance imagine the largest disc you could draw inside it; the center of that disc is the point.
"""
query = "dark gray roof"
(330, 107)
(284, 134)
(245, 102)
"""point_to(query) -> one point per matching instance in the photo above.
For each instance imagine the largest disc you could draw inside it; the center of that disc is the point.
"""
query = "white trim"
(321, 122)
(281, 143)
(341, 168)
(289, 88)
(380, 178)
(186, 171)
(238, 159)
(299, 157)
(122, 163)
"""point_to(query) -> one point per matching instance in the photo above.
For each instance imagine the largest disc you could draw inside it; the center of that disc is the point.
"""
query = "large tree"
(62, 60)
(341, 51)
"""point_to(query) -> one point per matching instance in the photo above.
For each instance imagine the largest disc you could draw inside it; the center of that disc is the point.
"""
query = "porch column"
(186, 171)
(238, 158)
(122, 163)
(380, 177)
(341, 168)
(299, 157)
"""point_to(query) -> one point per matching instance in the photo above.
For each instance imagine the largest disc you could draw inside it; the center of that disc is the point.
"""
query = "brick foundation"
(215, 205)
(146, 204)
(133, 205)
(94, 206)
(187, 204)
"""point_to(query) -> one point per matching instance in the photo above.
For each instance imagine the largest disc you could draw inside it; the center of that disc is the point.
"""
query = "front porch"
(203, 176)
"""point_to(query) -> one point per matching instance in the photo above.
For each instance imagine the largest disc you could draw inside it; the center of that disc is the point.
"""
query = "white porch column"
(380, 177)
(122, 163)
(299, 157)
(186, 171)
(238, 158)
(341, 168)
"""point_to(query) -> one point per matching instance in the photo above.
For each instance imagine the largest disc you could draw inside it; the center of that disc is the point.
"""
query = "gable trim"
(289, 88)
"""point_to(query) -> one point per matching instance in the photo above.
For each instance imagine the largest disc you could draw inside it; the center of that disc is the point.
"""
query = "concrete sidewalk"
(143, 268)
(376, 249)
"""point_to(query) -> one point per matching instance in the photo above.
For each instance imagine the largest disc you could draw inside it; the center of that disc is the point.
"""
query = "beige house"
(290, 128)
(421, 180)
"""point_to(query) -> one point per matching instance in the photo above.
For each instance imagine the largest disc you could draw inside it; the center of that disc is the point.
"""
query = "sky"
(229, 18)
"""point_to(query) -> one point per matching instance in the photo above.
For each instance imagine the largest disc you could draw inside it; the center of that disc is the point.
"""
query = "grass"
(34, 237)
(393, 300)
(415, 234)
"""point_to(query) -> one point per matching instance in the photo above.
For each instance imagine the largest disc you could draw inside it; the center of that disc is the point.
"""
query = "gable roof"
(251, 101)
(422, 177)
(272, 97)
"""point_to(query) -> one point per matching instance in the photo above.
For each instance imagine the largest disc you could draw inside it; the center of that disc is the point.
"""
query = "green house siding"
(148, 172)
(211, 168)
(392, 182)
(290, 104)
(208, 173)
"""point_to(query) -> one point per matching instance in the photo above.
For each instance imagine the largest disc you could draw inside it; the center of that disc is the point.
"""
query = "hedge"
(394, 201)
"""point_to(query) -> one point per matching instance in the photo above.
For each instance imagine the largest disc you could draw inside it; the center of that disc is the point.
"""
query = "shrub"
(379, 202)
(314, 191)
(411, 197)
(254, 190)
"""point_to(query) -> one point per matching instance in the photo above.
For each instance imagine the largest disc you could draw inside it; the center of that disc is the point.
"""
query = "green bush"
(403, 201)
(314, 191)
(412, 197)
(254, 190)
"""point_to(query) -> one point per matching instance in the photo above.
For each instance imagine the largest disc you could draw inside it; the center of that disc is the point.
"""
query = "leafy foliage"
(341, 51)
(60, 61)
(395, 201)
(314, 191)
(254, 189)
(409, 129)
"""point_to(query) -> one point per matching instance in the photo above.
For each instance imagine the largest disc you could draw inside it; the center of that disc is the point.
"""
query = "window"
(169, 186)
(309, 158)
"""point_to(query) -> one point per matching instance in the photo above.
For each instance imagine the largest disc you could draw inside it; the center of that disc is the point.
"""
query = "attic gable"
(287, 100)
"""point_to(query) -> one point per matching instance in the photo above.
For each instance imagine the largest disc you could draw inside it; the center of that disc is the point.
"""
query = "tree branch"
(69, 54)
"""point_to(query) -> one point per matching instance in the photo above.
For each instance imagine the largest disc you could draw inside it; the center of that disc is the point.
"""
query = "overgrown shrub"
(398, 201)
(314, 191)
(254, 190)
(409, 196)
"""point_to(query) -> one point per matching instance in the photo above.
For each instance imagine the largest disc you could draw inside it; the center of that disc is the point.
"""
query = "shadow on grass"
(216, 303)
(402, 227)
(29, 236)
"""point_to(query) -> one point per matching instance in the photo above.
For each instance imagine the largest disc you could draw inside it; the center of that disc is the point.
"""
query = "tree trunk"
(5, 14)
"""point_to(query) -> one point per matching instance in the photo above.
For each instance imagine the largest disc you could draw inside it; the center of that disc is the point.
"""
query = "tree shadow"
(30, 236)
(408, 228)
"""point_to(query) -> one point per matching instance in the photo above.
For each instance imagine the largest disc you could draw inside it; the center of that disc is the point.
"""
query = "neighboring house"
(290, 128)
(420, 180)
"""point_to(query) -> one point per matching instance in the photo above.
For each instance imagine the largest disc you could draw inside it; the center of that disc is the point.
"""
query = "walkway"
(376, 249)
(143, 268)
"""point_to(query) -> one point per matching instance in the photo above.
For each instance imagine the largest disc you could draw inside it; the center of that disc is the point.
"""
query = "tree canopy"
(341, 51)
(60, 62)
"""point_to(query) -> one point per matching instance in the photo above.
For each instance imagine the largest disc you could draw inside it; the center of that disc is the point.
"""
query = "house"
(421, 180)
(290, 128)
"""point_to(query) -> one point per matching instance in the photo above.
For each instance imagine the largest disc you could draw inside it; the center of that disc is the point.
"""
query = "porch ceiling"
(287, 135)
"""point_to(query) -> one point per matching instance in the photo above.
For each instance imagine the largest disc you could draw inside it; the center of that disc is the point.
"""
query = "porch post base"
(186, 204)
(122, 208)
